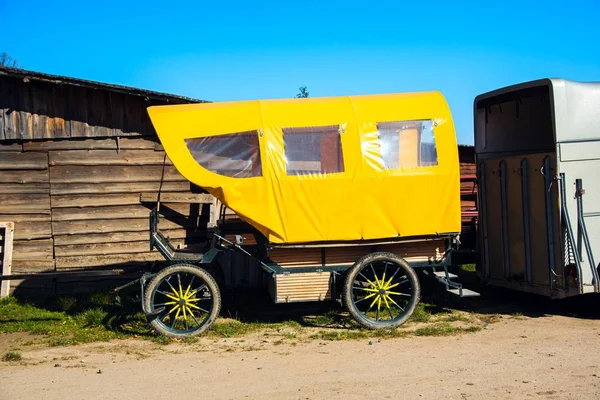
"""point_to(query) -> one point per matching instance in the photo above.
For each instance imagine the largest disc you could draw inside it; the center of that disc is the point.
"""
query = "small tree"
(303, 92)
(8, 61)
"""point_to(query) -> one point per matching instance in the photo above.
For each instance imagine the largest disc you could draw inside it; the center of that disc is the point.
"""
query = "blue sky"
(246, 50)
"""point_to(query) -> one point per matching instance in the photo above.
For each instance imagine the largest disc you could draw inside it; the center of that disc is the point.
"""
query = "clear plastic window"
(313, 150)
(236, 155)
(407, 144)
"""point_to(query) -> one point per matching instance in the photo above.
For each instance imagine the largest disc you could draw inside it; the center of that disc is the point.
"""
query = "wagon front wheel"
(184, 301)
(381, 291)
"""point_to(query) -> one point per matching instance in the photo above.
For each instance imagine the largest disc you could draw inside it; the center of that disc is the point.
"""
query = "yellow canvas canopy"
(323, 169)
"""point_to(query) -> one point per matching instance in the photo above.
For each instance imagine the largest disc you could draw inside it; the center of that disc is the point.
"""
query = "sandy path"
(548, 357)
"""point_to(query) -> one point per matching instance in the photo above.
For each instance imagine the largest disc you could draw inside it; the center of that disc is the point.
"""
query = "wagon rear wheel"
(185, 300)
(381, 291)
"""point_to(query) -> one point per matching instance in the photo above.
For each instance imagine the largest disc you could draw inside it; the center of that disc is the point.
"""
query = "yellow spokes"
(394, 303)
(172, 297)
(194, 306)
(370, 290)
(187, 291)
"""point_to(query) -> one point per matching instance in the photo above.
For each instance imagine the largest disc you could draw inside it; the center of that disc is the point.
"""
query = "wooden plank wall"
(77, 204)
(468, 198)
(46, 110)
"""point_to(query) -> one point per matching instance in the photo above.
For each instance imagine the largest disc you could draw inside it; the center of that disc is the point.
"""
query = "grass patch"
(421, 314)
(92, 317)
(340, 335)
(67, 321)
(441, 329)
(12, 356)
(70, 320)
(229, 329)
(357, 334)
(445, 329)
(468, 267)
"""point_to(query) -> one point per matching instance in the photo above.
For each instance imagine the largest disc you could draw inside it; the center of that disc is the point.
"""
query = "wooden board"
(168, 197)
(33, 230)
(27, 266)
(418, 250)
(11, 161)
(17, 218)
(24, 176)
(98, 200)
(6, 188)
(102, 249)
(27, 250)
(112, 173)
(77, 262)
(25, 204)
(112, 225)
(14, 147)
(467, 168)
(313, 286)
(114, 212)
(290, 258)
(177, 235)
(424, 250)
(6, 254)
(116, 187)
(137, 143)
(108, 157)
(345, 255)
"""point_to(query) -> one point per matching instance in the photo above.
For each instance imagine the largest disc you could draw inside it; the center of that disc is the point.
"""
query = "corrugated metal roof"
(65, 80)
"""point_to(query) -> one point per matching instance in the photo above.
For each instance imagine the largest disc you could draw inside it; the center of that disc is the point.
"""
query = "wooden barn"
(80, 167)
(80, 170)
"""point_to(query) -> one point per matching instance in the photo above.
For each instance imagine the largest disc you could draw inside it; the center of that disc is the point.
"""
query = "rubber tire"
(188, 269)
(359, 265)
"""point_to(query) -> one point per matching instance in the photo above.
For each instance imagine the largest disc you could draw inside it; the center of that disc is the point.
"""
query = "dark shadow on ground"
(123, 314)
(257, 306)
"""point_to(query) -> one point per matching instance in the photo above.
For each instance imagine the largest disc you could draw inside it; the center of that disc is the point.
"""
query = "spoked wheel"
(381, 291)
(185, 300)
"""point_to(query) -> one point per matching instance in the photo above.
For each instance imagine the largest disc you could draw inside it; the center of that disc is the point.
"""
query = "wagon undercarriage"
(374, 280)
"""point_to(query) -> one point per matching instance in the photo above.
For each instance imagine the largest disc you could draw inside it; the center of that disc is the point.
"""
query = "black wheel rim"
(183, 301)
(382, 292)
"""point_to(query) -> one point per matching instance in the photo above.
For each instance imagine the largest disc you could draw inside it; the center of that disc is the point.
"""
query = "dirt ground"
(549, 357)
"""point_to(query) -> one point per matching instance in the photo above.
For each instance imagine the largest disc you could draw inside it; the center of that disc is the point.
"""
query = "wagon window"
(236, 155)
(407, 144)
(313, 150)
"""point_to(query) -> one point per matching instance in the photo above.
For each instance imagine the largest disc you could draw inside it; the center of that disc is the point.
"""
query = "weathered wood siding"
(75, 158)
(79, 204)
(34, 108)
(468, 197)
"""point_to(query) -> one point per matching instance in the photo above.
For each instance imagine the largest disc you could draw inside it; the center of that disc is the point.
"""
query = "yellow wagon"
(337, 198)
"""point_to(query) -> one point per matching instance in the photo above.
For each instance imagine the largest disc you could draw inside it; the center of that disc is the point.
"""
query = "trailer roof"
(575, 106)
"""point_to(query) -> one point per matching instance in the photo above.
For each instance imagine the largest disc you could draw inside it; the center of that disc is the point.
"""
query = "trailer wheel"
(381, 291)
(183, 299)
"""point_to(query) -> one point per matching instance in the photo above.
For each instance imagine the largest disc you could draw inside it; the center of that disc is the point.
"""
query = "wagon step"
(445, 275)
(462, 292)
(446, 278)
